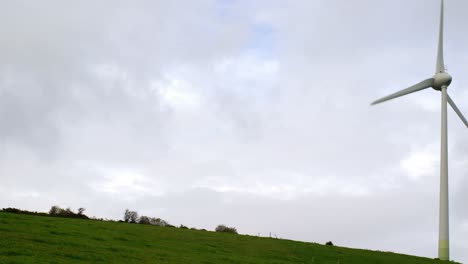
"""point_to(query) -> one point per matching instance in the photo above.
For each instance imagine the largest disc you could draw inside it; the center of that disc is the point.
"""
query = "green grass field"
(36, 239)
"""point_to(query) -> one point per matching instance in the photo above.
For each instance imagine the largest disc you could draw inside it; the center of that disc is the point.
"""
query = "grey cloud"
(280, 150)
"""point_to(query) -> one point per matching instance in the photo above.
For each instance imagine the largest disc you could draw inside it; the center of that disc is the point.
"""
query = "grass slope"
(36, 239)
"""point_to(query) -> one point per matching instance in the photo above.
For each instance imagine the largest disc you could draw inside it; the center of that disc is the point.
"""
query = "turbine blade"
(455, 108)
(440, 67)
(417, 87)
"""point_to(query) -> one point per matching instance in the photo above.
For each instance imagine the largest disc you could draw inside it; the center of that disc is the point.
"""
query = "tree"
(81, 210)
(130, 216)
(144, 220)
(55, 210)
(127, 215)
(68, 212)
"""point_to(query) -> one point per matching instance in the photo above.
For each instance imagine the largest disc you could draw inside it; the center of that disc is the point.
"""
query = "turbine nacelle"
(441, 79)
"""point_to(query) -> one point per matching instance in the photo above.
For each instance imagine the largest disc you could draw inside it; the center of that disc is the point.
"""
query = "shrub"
(158, 222)
(225, 229)
(183, 227)
(12, 210)
(144, 220)
(329, 243)
(19, 211)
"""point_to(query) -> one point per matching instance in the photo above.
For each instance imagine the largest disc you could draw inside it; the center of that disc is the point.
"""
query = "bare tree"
(130, 216)
(81, 210)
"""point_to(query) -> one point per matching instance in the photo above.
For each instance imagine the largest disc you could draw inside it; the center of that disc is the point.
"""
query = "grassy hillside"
(36, 239)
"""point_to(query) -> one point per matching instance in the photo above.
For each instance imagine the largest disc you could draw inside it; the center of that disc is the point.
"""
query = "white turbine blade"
(440, 67)
(455, 108)
(417, 87)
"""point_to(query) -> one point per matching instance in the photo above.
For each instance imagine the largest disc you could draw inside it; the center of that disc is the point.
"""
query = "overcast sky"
(253, 114)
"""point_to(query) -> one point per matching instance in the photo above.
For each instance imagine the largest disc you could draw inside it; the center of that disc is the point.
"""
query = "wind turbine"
(439, 82)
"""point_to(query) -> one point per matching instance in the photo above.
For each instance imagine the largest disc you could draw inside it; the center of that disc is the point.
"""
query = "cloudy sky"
(253, 114)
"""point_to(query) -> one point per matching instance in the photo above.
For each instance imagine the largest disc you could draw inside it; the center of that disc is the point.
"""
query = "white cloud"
(177, 93)
(421, 163)
(124, 184)
(25, 195)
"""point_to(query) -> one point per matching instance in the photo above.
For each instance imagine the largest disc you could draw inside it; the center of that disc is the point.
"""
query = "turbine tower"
(439, 82)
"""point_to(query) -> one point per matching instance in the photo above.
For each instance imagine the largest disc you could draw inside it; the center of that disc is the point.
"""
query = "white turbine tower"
(440, 82)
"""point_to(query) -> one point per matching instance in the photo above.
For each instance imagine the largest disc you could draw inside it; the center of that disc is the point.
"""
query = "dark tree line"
(55, 211)
(24, 212)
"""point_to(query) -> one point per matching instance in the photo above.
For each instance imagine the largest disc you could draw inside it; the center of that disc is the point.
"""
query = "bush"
(144, 220)
(183, 227)
(25, 212)
(158, 222)
(329, 243)
(12, 210)
(225, 229)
